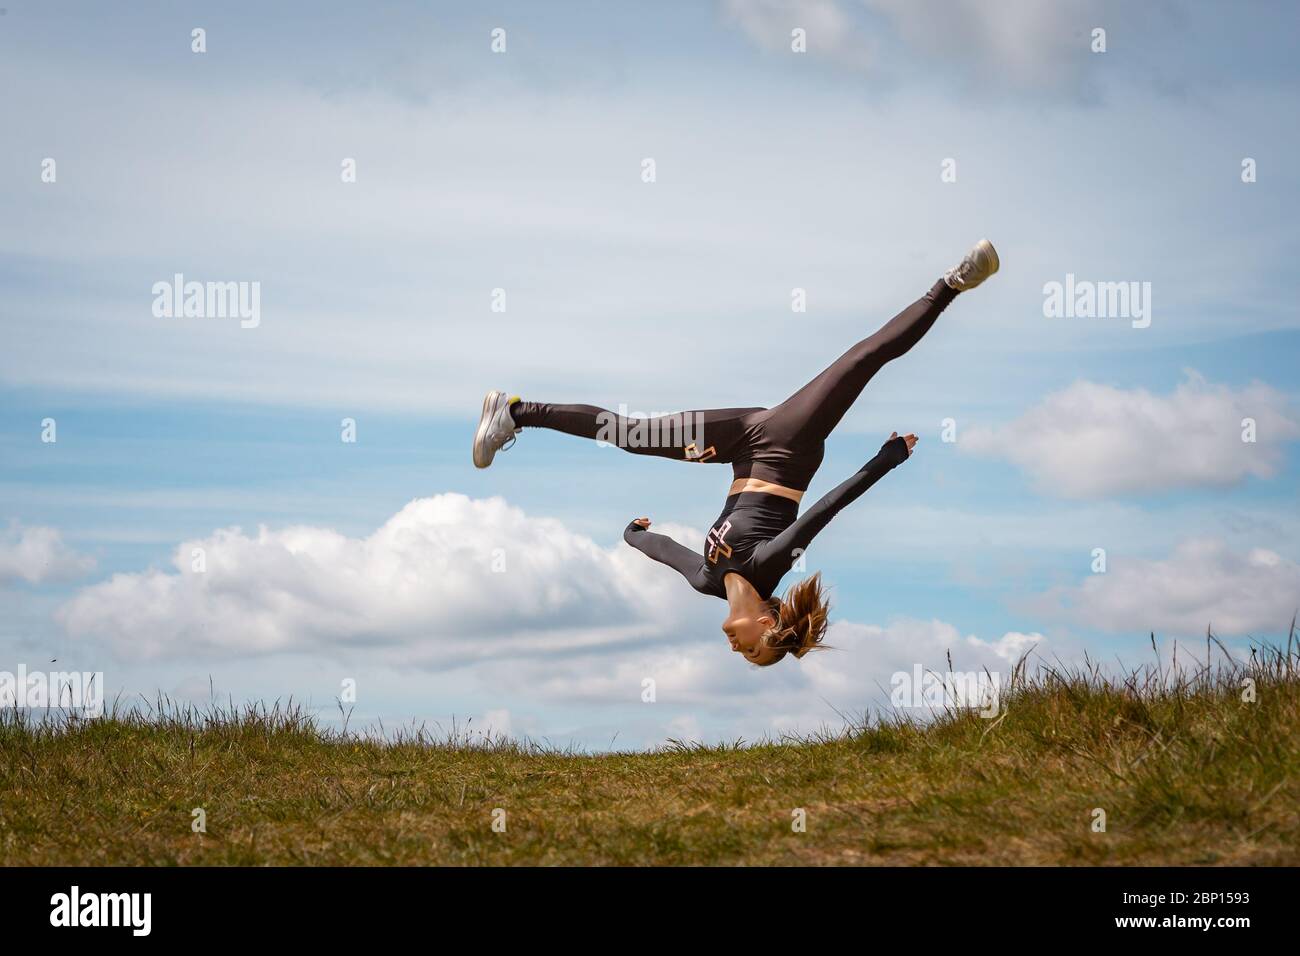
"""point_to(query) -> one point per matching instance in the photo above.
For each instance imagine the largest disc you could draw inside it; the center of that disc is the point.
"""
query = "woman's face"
(746, 634)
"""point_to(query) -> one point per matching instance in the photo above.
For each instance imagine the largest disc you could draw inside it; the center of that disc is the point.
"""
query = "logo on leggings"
(693, 455)
(716, 545)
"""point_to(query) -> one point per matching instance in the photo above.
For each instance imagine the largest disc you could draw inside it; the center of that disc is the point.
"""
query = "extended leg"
(701, 436)
(812, 412)
(807, 417)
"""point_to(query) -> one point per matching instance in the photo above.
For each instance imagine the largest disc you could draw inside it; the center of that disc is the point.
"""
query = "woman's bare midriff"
(766, 487)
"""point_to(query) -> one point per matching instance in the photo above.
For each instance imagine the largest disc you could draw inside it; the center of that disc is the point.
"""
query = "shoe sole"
(987, 247)
(481, 457)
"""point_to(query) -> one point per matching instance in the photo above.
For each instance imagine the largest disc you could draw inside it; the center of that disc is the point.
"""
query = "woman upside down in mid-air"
(773, 453)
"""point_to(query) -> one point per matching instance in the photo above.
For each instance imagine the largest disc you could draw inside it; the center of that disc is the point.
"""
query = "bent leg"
(716, 435)
(808, 416)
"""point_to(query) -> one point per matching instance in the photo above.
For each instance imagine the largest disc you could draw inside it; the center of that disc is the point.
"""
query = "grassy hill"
(1186, 771)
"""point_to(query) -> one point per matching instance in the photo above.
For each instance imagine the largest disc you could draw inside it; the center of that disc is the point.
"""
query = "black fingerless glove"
(894, 451)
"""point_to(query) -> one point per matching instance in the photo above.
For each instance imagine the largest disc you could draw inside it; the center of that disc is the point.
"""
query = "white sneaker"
(978, 264)
(496, 429)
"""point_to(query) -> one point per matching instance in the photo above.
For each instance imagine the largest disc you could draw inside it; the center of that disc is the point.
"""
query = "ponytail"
(802, 617)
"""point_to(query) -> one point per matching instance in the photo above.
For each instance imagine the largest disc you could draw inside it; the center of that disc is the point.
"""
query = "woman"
(773, 453)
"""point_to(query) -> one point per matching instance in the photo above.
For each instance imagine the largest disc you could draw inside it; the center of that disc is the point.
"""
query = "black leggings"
(784, 444)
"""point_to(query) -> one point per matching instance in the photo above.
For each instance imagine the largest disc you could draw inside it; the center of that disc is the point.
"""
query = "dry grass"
(1186, 770)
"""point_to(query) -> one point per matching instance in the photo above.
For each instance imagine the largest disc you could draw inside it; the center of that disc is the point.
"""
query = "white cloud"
(741, 213)
(1203, 583)
(867, 656)
(196, 690)
(1024, 45)
(1091, 440)
(421, 589)
(706, 679)
(685, 729)
(493, 724)
(570, 627)
(37, 555)
(830, 31)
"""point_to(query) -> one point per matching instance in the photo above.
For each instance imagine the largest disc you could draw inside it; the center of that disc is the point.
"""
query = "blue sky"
(521, 170)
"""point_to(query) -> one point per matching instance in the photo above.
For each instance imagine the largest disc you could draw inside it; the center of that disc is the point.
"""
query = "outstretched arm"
(779, 554)
(689, 564)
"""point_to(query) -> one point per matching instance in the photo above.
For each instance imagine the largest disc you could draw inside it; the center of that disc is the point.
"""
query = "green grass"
(1186, 771)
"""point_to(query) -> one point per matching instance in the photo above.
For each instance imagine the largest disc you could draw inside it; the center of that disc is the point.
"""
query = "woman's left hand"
(909, 439)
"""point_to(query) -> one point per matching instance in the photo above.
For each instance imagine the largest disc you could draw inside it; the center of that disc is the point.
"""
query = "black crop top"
(758, 535)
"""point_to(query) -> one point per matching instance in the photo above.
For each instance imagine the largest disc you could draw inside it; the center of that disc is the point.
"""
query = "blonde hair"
(802, 617)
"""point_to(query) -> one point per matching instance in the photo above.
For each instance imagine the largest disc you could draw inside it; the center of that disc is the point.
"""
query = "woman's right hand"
(642, 522)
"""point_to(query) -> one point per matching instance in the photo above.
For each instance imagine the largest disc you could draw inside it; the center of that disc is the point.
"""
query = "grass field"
(1186, 770)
